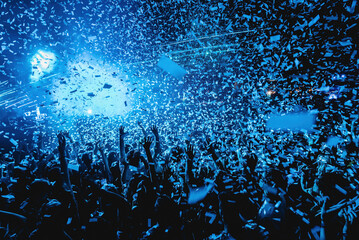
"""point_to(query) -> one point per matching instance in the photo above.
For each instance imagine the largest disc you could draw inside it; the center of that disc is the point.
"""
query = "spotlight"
(42, 62)
(89, 111)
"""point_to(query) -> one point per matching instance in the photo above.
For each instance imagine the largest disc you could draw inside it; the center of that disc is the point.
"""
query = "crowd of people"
(219, 188)
(209, 169)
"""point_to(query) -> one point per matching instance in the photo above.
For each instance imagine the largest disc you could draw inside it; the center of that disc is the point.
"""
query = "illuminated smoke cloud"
(42, 63)
(91, 87)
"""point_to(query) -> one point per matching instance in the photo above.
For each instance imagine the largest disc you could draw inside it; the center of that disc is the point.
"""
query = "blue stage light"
(42, 63)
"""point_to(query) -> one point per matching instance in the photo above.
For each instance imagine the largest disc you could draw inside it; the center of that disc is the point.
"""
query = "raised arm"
(122, 144)
(105, 162)
(123, 153)
(63, 162)
(212, 151)
(40, 143)
(189, 165)
(146, 143)
(154, 130)
(67, 135)
(65, 170)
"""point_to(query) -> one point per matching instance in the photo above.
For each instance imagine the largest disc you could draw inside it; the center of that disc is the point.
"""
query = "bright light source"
(39, 115)
(270, 93)
(38, 111)
(91, 93)
(333, 96)
(42, 62)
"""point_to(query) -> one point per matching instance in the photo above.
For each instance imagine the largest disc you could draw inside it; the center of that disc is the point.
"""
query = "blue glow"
(91, 88)
(42, 63)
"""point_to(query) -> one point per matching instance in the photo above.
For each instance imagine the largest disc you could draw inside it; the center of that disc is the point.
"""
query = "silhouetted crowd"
(221, 188)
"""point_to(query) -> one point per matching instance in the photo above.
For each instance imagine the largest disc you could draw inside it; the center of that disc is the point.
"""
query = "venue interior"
(179, 119)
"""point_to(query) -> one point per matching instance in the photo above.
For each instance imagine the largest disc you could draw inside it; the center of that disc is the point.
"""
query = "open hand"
(146, 142)
(190, 151)
(154, 130)
(66, 134)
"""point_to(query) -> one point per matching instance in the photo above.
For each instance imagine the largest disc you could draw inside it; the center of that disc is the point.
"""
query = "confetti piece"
(293, 121)
(171, 67)
(274, 38)
(212, 217)
(107, 86)
(314, 21)
(340, 189)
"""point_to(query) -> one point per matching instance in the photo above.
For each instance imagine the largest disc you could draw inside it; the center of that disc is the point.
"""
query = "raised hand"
(99, 146)
(65, 171)
(146, 143)
(122, 131)
(66, 134)
(62, 141)
(190, 151)
(154, 130)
